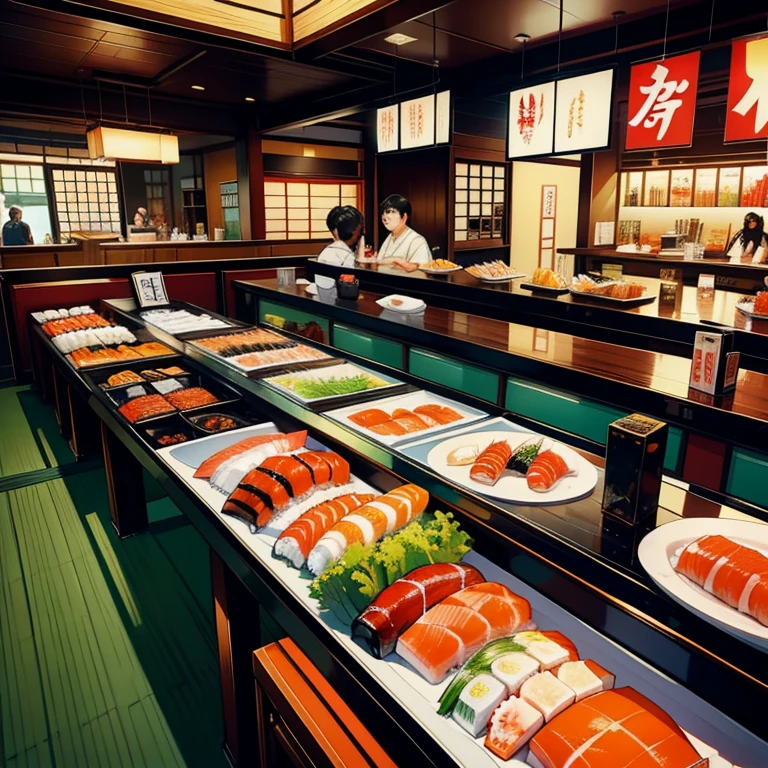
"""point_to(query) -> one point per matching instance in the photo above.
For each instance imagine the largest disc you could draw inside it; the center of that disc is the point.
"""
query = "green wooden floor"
(107, 647)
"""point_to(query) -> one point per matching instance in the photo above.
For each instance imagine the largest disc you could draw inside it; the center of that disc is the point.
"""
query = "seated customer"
(403, 246)
(16, 231)
(330, 220)
(349, 227)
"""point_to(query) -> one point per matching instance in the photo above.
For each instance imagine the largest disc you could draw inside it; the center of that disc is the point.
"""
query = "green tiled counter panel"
(454, 374)
(370, 347)
(582, 417)
(746, 478)
(289, 313)
(674, 449)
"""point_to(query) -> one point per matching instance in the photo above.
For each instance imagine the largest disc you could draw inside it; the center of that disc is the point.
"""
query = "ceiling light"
(131, 145)
(249, 98)
(521, 37)
(400, 39)
(198, 87)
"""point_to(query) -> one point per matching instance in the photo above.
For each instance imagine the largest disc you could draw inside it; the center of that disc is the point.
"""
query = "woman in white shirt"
(403, 245)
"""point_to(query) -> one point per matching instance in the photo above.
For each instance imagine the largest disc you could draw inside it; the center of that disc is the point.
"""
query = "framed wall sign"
(746, 117)
(417, 122)
(531, 121)
(583, 112)
(387, 128)
(149, 288)
(443, 117)
(547, 225)
(662, 102)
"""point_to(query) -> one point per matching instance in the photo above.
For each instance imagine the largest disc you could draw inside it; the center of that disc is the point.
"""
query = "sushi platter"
(748, 308)
(411, 414)
(635, 302)
(321, 387)
(458, 458)
(403, 304)
(544, 289)
(658, 553)
(407, 684)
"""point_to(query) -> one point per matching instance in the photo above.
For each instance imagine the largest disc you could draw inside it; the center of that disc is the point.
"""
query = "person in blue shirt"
(16, 231)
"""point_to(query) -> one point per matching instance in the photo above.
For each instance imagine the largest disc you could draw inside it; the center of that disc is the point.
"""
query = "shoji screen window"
(479, 200)
(86, 200)
(296, 210)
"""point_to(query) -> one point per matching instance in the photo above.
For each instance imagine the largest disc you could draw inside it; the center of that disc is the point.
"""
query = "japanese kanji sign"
(662, 102)
(747, 115)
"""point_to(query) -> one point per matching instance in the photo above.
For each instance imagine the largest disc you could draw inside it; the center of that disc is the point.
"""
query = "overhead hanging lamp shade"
(133, 146)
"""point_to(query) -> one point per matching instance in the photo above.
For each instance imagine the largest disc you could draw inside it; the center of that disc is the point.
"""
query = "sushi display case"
(706, 737)
(399, 706)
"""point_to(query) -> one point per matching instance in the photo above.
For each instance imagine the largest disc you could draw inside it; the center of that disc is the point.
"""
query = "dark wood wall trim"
(256, 186)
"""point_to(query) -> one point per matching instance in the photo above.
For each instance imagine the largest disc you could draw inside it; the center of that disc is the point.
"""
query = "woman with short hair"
(403, 245)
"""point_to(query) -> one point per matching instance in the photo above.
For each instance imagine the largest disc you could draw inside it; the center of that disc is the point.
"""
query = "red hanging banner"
(747, 115)
(662, 102)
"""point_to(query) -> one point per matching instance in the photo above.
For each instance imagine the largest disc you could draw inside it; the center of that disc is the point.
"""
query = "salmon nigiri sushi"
(612, 729)
(450, 632)
(370, 417)
(736, 574)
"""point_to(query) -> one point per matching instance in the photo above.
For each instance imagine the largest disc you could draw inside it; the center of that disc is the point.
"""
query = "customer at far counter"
(347, 229)
(405, 247)
(16, 231)
(330, 220)
(751, 242)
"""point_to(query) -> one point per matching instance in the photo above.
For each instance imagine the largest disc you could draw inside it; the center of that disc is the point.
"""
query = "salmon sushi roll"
(491, 463)
(546, 471)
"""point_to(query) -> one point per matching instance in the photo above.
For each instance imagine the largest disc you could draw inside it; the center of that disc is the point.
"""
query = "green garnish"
(475, 665)
(349, 585)
(313, 389)
(523, 457)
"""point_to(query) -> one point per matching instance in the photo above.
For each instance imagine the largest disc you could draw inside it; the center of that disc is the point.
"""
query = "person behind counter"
(403, 246)
(16, 231)
(751, 241)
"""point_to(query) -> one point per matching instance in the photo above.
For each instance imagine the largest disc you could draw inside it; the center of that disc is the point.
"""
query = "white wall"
(527, 181)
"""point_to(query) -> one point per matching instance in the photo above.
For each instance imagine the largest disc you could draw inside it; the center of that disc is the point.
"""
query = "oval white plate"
(408, 304)
(431, 271)
(658, 547)
(514, 487)
(502, 279)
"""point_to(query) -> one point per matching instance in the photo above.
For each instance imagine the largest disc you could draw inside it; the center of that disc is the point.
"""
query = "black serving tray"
(242, 415)
(172, 424)
(98, 377)
(234, 326)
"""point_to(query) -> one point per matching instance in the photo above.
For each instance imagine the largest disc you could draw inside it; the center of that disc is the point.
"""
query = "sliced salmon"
(442, 414)
(369, 417)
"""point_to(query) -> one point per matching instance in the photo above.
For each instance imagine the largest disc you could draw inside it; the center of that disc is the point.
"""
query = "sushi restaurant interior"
(384, 383)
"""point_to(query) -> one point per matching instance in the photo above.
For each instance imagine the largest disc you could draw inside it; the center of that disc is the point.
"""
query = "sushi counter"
(320, 482)
(652, 319)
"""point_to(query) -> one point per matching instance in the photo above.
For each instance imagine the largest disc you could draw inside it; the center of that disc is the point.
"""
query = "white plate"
(748, 308)
(235, 362)
(658, 547)
(502, 279)
(431, 271)
(513, 487)
(408, 305)
(311, 289)
(409, 402)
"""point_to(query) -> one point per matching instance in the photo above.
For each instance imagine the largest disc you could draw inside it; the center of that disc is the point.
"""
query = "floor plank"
(107, 647)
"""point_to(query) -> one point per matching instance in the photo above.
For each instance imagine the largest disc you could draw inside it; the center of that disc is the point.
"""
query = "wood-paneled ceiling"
(107, 59)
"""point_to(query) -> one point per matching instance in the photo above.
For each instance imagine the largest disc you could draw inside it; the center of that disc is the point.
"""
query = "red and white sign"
(662, 102)
(747, 115)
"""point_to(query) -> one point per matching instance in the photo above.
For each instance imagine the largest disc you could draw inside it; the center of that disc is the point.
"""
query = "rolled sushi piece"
(513, 723)
(547, 694)
(513, 669)
(585, 678)
(477, 701)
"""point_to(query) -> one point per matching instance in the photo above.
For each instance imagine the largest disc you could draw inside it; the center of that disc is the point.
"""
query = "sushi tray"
(186, 459)
(401, 419)
(340, 385)
(544, 289)
(457, 457)
(169, 430)
(610, 301)
(187, 321)
(136, 372)
(708, 730)
(659, 551)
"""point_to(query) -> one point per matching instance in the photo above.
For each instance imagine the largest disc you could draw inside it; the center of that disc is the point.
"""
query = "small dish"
(398, 303)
